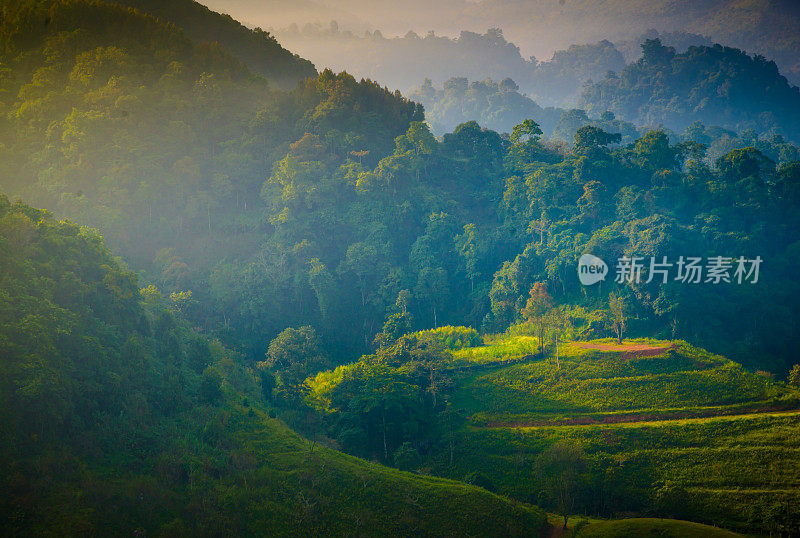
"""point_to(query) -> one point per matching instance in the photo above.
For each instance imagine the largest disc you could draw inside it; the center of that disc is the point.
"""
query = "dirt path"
(665, 422)
(629, 350)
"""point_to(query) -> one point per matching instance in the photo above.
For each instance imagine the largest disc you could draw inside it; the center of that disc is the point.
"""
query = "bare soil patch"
(629, 350)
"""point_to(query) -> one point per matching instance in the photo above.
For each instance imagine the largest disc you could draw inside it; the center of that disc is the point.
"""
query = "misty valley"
(354, 279)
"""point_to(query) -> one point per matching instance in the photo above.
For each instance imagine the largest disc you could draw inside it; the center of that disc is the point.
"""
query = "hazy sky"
(539, 27)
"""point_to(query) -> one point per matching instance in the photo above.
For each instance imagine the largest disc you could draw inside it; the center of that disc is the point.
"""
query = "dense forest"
(322, 204)
(390, 276)
(500, 106)
(494, 105)
(708, 84)
(256, 48)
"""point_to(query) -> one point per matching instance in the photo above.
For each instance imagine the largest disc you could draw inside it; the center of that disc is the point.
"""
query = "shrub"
(794, 376)
(406, 457)
(210, 391)
(479, 479)
(455, 337)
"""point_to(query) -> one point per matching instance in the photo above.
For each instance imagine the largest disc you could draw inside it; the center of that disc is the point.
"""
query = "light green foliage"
(454, 338)
(499, 350)
(794, 375)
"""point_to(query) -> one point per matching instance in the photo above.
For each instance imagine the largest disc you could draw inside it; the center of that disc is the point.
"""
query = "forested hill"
(259, 50)
(715, 85)
(152, 137)
(332, 204)
(116, 418)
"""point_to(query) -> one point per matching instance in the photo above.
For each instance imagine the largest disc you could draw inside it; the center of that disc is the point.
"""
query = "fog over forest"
(538, 27)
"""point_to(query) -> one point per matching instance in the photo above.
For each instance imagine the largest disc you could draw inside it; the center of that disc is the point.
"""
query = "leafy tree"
(536, 311)
(210, 391)
(561, 469)
(794, 375)
(294, 355)
(591, 142)
(406, 457)
(617, 315)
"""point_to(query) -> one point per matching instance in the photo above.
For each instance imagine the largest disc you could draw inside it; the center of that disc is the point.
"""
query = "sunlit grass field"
(588, 381)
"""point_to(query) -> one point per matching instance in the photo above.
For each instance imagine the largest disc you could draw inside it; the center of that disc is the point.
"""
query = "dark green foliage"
(69, 313)
(672, 500)
(479, 479)
(385, 404)
(562, 469)
(293, 355)
(268, 384)
(257, 49)
(106, 427)
(406, 457)
(210, 391)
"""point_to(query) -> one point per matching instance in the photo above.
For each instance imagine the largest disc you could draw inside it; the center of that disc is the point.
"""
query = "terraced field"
(724, 441)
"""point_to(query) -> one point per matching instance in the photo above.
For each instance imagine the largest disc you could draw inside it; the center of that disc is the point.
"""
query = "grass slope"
(590, 383)
(665, 528)
(723, 437)
(326, 492)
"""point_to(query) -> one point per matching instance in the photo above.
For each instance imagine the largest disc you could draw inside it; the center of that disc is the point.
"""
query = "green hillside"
(653, 427)
(117, 417)
(598, 383)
